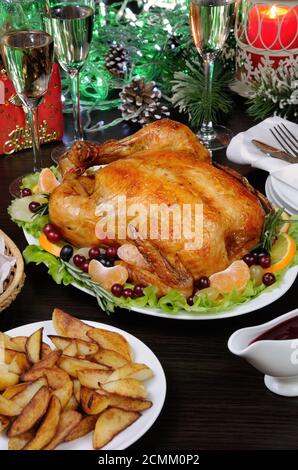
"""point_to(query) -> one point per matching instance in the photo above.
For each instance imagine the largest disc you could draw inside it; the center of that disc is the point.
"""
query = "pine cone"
(117, 60)
(144, 99)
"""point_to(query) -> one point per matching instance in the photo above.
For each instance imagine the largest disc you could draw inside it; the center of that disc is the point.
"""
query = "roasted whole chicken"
(162, 163)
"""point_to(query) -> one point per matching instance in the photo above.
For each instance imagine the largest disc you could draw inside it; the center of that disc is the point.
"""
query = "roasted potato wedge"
(7, 379)
(55, 377)
(72, 365)
(8, 407)
(48, 361)
(68, 420)
(18, 343)
(126, 387)
(111, 340)
(93, 403)
(33, 346)
(110, 423)
(4, 422)
(25, 396)
(19, 442)
(92, 378)
(9, 343)
(129, 404)
(83, 348)
(73, 404)
(71, 350)
(48, 427)
(110, 358)
(64, 393)
(132, 370)
(86, 425)
(10, 392)
(69, 326)
(19, 364)
(32, 412)
(77, 389)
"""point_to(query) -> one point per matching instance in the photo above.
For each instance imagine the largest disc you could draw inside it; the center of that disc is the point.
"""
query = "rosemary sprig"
(104, 299)
(43, 209)
(273, 222)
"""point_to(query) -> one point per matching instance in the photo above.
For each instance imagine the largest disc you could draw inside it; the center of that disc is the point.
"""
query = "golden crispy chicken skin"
(167, 167)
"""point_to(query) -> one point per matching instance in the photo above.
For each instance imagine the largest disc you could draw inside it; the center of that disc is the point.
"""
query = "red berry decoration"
(85, 265)
(117, 290)
(111, 252)
(139, 290)
(190, 300)
(127, 293)
(269, 279)
(26, 192)
(264, 261)
(94, 253)
(250, 259)
(79, 260)
(53, 236)
(34, 206)
(202, 283)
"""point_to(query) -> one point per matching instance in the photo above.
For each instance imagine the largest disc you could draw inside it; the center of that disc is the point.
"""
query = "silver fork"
(285, 138)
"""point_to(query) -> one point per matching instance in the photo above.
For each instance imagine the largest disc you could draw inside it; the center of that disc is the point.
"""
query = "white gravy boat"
(277, 359)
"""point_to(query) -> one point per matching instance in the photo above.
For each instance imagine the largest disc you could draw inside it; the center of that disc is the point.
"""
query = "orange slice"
(53, 248)
(107, 277)
(236, 276)
(282, 253)
(47, 181)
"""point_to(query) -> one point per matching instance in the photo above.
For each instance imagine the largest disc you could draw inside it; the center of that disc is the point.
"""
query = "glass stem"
(33, 120)
(76, 103)
(207, 125)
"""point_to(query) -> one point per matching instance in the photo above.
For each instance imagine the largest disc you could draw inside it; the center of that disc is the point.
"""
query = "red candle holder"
(267, 37)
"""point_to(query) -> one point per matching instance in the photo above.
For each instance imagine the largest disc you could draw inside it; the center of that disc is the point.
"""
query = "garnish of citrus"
(107, 277)
(282, 253)
(53, 248)
(47, 181)
(284, 226)
(236, 276)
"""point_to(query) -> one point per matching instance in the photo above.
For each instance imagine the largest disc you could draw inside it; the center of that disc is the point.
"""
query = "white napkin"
(242, 151)
(6, 264)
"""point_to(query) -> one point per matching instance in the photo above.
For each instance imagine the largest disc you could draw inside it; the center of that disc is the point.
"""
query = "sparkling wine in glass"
(71, 25)
(28, 59)
(211, 22)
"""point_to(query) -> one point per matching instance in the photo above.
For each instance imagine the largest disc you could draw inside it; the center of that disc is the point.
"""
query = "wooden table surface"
(214, 399)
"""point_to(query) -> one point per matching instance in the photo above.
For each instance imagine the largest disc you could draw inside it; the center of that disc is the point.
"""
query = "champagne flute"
(28, 59)
(211, 22)
(71, 25)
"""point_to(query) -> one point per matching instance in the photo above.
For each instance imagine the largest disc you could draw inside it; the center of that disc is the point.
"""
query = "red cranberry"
(269, 279)
(94, 252)
(53, 236)
(190, 300)
(85, 265)
(249, 259)
(79, 260)
(257, 253)
(111, 251)
(202, 283)
(127, 293)
(26, 192)
(264, 261)
(34, 206)
(117, 290)
(139, 290)
(50, 228)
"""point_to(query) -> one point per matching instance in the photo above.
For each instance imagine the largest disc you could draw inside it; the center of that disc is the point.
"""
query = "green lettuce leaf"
(35, 227)
(35, 254)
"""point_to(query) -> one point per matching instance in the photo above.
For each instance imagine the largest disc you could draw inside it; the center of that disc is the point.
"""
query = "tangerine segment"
(282, 253)
(236, 276)
(53, 248)
(107, 277)
(47, 181)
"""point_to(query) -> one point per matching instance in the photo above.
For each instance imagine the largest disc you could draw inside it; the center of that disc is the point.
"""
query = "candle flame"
(274, 12)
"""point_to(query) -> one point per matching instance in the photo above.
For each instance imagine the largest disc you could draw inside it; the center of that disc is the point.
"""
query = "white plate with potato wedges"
(57, 392)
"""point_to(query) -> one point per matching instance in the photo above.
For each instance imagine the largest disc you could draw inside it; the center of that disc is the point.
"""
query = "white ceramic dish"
(264, 299)
(156, 389)
(276, 199)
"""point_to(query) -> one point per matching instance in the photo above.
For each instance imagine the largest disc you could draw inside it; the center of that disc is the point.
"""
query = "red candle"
(273, 27)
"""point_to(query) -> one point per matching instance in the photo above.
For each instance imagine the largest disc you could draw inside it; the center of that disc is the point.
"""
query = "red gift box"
(15, 135)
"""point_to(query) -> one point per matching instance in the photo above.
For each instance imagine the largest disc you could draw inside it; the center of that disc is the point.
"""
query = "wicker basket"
(13, 285)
